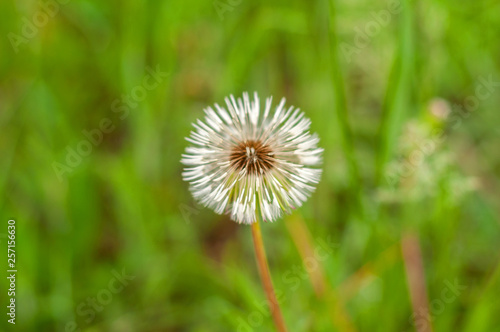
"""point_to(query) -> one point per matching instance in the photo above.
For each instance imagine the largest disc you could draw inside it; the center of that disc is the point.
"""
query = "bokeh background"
(402, 233)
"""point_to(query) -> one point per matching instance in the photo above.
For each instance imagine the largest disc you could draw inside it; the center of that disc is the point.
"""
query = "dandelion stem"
(265, 276)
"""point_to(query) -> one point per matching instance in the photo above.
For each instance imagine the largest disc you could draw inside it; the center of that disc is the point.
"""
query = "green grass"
(125, 206)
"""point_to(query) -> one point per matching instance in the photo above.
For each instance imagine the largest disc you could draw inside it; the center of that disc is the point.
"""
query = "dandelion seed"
(250, 164)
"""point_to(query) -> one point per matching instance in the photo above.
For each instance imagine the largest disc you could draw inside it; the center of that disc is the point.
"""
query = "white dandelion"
(250, 164)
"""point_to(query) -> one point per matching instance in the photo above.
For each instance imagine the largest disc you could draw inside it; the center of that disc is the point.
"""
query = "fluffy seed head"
(250, 164)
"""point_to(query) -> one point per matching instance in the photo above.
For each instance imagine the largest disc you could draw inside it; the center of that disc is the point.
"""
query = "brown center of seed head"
(253, 156)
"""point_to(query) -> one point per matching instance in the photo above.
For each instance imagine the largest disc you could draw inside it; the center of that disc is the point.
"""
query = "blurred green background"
(404, 98)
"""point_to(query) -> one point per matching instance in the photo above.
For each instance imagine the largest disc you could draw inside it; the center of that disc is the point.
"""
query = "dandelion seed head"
(252, 164)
